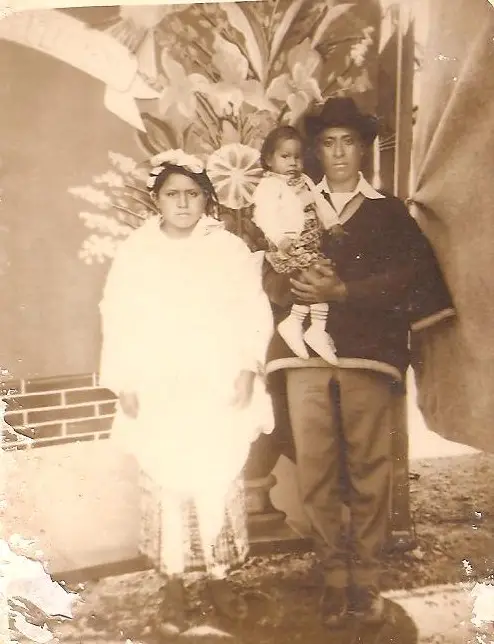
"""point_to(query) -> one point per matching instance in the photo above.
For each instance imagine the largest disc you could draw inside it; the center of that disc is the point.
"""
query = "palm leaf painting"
(226, 74)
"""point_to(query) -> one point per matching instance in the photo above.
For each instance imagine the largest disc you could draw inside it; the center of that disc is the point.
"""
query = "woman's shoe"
(227, 601)
(171, 617)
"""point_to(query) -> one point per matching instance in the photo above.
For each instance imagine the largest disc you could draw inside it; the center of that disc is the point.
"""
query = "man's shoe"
(367, 604)
(334, 606)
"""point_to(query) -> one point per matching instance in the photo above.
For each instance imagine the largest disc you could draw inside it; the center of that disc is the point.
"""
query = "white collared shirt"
(340, 199)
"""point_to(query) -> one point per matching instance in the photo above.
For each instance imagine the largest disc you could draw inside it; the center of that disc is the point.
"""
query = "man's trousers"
(342, 420)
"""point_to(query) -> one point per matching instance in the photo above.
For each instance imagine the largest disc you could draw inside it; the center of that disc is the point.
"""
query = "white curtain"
(454, 205)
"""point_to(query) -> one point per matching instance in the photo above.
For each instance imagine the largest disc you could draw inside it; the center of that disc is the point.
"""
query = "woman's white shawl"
(180, 320)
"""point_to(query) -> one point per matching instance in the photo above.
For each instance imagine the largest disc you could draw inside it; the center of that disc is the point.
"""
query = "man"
(381, 277)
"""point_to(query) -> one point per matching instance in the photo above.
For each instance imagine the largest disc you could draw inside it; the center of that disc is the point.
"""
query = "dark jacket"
(394, 285)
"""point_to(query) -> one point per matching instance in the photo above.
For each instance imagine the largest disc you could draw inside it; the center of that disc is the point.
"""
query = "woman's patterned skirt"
(158, 509)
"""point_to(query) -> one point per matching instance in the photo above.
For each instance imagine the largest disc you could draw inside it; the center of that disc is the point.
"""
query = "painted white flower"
(345, 84)
(234, 171)
(122, 162)
(135, 29)
(98, 248)
(180, 93)
(362, 83)
(235, 87)
(111, 179)
(358, 51)
(92, 195)
(103, 223)
(298, 88)
(85, 255)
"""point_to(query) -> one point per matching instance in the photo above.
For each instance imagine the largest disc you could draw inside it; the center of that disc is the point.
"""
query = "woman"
(185, 331)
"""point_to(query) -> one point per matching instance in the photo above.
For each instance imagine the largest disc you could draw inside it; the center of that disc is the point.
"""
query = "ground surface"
(453, 509)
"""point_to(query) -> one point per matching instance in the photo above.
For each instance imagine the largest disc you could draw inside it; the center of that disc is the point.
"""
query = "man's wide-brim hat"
(342, 112)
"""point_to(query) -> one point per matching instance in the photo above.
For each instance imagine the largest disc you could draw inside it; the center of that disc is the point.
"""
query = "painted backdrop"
(212, 79)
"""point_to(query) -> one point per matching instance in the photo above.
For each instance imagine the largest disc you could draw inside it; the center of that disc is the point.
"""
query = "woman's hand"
(319, 284)
(243, 389)
(129, 403)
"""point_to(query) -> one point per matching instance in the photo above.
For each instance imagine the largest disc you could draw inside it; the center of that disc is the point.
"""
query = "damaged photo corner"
(95, 95)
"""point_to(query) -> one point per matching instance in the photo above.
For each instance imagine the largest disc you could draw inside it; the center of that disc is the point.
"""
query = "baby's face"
(287, 158)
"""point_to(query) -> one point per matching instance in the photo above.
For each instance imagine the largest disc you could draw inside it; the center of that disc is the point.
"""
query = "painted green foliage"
(226, 74)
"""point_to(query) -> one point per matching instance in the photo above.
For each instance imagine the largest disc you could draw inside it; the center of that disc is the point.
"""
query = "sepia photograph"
(246, 371)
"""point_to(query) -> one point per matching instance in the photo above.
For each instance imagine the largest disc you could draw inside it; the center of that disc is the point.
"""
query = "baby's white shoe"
(291, 330)
(321, 342)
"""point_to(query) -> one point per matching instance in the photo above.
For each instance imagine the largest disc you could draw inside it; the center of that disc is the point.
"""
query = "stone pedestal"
(268, 531)
(263, 518)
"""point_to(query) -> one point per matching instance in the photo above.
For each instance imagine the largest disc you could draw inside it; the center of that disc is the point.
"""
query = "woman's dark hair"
(201, 178)
(274, 138)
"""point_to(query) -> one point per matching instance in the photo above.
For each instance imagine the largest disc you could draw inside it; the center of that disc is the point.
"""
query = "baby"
(292, 214)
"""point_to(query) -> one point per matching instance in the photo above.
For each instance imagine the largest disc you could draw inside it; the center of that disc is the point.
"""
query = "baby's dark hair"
(274, 138)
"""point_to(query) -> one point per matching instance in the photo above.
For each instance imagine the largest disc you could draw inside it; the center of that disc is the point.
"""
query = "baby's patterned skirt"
(305, 250)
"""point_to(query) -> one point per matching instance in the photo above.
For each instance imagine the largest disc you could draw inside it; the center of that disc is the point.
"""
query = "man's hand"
(244, 388)
(319, 284)
(129, 403)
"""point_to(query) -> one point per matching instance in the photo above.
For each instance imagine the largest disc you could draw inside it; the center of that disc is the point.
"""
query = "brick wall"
(71, 409)
(53, 411)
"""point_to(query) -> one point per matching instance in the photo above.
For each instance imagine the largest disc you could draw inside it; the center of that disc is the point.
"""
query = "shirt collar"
(363, 187)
